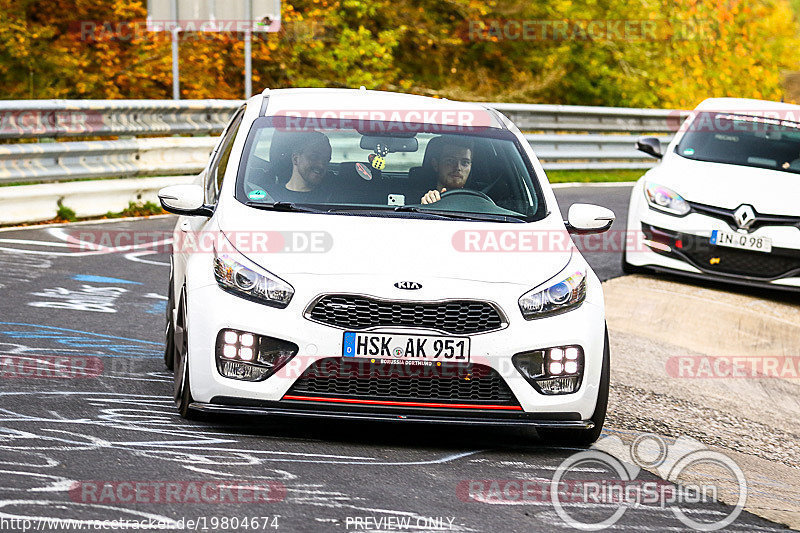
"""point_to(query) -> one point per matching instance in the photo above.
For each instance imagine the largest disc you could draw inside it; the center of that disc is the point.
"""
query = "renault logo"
(408, 285)
(744, 216)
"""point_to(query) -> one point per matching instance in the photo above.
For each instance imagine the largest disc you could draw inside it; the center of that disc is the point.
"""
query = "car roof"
(317, 100)
(743, 105)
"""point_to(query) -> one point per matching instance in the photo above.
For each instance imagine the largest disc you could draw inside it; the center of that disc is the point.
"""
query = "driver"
(451, 168)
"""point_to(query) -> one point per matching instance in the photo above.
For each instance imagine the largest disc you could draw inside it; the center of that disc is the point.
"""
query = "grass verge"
(593, 176)
(65, 214)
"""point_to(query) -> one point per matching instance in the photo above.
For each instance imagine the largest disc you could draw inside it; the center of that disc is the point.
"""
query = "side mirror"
(651, 146)
(586, 218)
(185, 200)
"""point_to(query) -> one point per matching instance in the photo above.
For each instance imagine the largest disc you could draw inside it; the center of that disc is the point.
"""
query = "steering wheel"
(468, 192)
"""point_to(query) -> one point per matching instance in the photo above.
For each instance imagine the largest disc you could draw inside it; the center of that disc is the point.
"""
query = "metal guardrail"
(564, 118)
(592, 148)
(590, 151)
(46, 162)
(37, 119)
(564, 137)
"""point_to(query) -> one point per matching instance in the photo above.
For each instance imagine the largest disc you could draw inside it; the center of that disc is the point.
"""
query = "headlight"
(236, 274)
(557, 298)
(664, 199)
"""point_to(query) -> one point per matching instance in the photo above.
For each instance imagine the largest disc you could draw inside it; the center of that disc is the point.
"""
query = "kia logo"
(744, 216)
(408, 285)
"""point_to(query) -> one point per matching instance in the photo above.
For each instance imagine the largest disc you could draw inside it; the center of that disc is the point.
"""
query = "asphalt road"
(71, 439)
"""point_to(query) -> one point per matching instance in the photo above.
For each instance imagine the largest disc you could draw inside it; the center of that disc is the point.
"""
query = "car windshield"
(388, 169)
(743, 140)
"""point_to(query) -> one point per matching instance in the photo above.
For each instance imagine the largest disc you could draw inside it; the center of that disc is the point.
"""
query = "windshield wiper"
(483, 217)
(283, 206)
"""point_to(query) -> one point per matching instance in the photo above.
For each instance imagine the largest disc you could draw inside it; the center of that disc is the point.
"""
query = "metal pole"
(176, 75)
(176, 81)
(248, 51)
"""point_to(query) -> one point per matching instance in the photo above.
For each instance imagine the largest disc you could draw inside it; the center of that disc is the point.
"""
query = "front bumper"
(754, 269)
(211, 309)
(697, 258)
(288, 408)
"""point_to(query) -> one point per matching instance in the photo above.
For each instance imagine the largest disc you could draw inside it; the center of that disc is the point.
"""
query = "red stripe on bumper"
(404, 404)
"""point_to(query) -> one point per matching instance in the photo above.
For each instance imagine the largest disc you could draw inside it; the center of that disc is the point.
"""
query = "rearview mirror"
(651, 146)
(587, 218)
(185, 200)
(393, 144)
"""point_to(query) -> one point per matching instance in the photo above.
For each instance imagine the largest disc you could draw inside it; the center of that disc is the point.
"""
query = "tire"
(169, 344)
(182, 391)
(585, 437)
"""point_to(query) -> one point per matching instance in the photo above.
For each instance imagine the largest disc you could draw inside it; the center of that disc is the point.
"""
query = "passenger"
(310, 155)
(452, 168)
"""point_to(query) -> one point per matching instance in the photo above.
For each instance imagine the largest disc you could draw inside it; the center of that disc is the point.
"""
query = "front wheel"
(182, 391)
(585, 437)
(169, 348)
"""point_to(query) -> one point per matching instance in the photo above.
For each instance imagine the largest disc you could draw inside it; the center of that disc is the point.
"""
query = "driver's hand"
(432, 196)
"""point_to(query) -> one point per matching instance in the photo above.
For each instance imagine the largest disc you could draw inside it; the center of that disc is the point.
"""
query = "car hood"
(406, 249)
(729, 186)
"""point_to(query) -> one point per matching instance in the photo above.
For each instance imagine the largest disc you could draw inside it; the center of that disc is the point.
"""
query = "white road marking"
(136, 258)
(36, 243)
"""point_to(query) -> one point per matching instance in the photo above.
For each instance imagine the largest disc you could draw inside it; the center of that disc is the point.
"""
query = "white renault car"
(358, 254)
(724, 203)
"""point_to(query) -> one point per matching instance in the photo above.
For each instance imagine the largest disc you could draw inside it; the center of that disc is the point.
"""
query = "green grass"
(590, 176)
(65, 214)
(137, 209)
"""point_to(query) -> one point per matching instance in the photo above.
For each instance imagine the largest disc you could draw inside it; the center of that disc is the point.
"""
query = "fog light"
(557, 370)
(245, 372)
(251, 357)
(565, 385)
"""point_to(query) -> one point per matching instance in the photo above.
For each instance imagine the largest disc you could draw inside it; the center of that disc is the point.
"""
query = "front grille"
(361, 379)
(780, 262)
(743, 262)
(461, 317)
(760, 221)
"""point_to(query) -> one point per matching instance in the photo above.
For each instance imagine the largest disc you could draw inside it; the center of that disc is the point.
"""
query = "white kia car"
(358, 254)
(724, 203)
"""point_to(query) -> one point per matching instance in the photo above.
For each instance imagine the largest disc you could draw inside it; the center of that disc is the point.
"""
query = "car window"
(216, 172)
(375, 166)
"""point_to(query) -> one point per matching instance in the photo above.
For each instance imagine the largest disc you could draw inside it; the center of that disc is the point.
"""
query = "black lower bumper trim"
(434, 416)
(721, 278)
